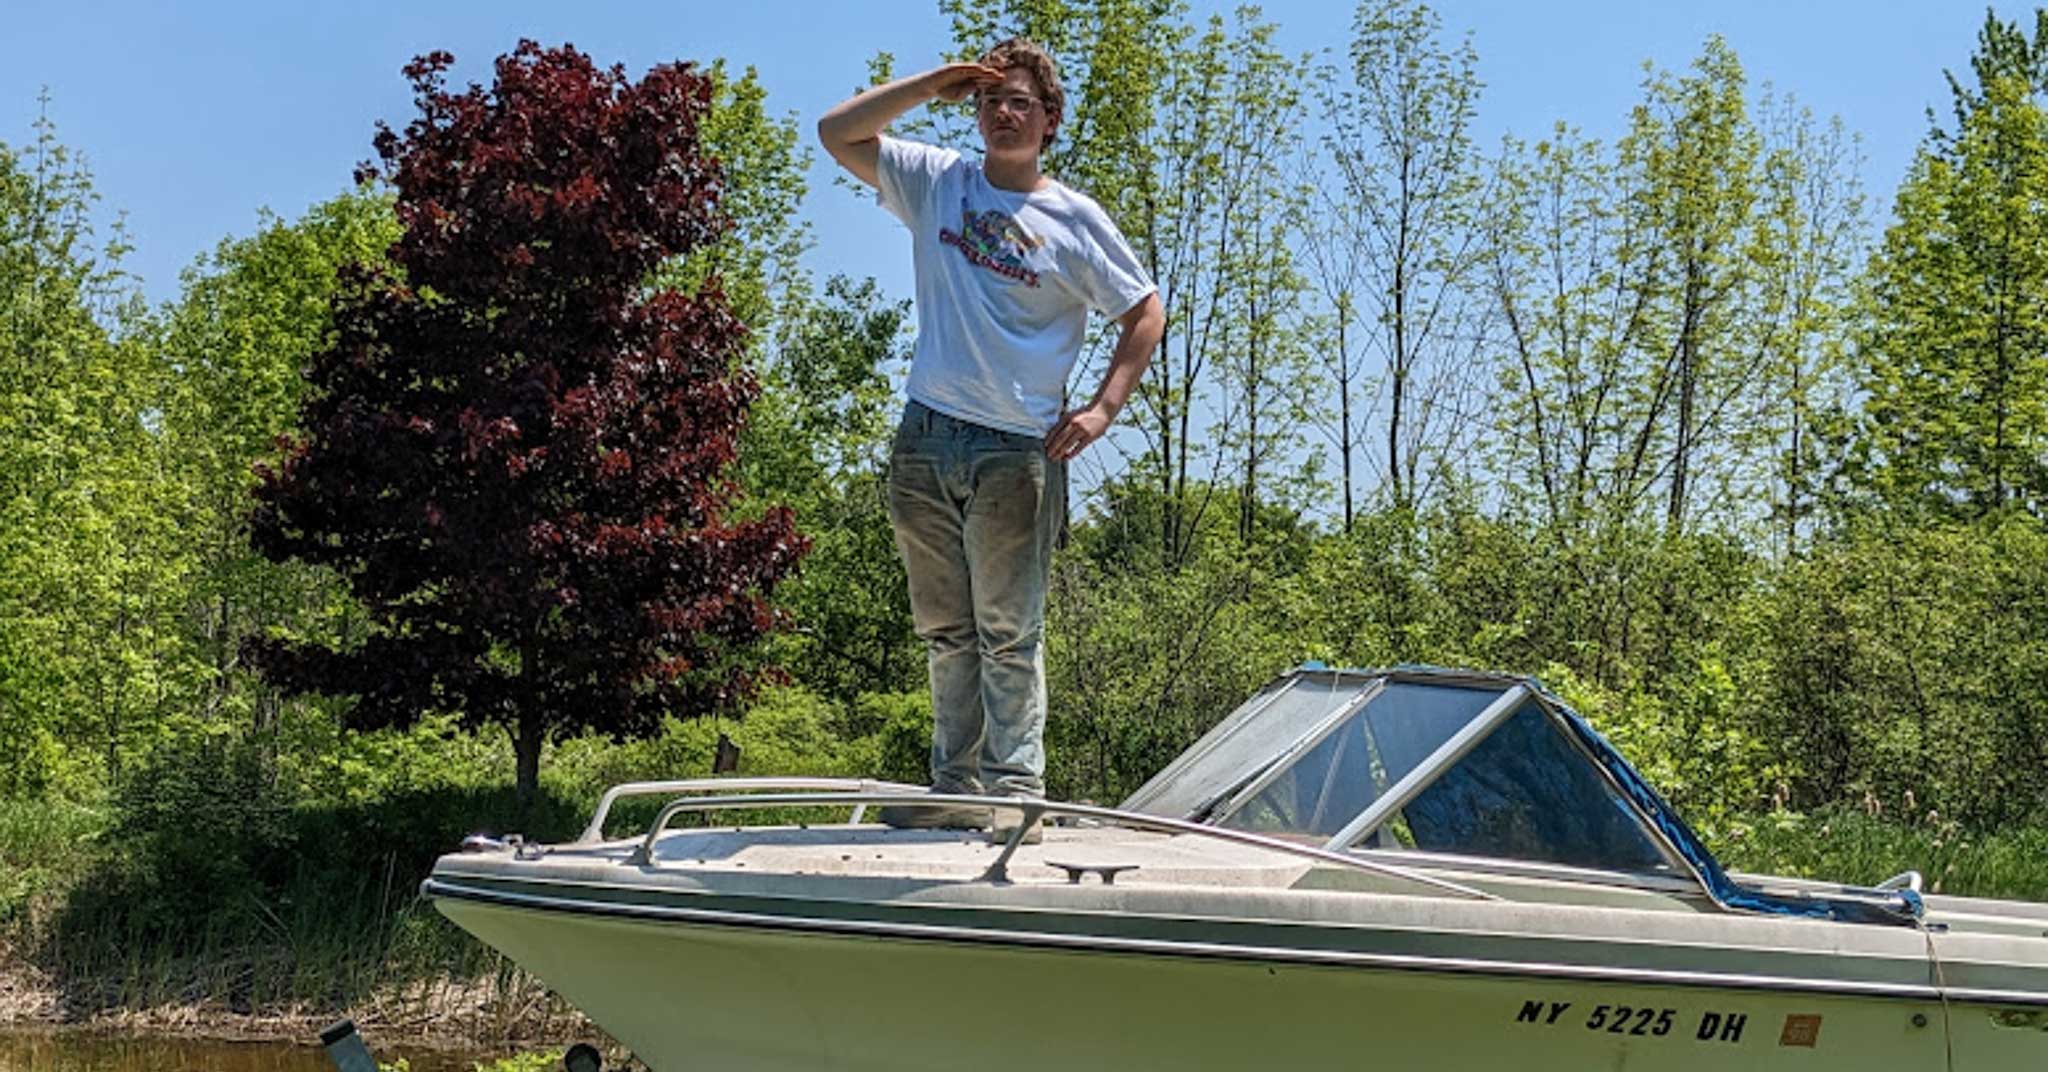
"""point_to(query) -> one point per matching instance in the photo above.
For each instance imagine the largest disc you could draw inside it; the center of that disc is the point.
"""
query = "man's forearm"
(1133, 355)
(852, 130)
(1139, 332)
(864, 116)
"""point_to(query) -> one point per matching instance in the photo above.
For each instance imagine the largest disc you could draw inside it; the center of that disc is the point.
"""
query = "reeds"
(1853, 847)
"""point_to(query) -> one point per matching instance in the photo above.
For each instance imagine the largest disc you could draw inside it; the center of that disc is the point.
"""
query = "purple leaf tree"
(515, 450)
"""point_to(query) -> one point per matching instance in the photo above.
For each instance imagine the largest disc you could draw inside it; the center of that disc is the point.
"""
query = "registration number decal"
(1640, 1021)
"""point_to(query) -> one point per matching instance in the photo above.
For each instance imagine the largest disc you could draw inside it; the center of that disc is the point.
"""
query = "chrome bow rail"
(722, 794)
(594, 832)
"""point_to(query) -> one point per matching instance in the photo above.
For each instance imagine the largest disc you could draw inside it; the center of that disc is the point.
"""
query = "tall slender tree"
(253, 313)
(1953, 359)
(1399, 144)
(89, 554)
(1813, 215)
(1699, 155)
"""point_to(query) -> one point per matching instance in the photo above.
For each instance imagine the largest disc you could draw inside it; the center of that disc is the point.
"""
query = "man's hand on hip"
(1075, 430)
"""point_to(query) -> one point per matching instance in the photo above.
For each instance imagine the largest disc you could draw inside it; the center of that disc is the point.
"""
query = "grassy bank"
(99, 933)
(241, 881)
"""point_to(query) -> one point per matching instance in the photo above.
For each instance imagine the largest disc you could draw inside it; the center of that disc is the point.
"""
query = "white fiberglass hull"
(687, 995)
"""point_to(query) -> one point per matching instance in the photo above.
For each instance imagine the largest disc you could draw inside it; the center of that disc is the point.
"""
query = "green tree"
(1708, 309)
(758, 261)
(1402, 209)
(1813, 215)
(1670, 310)
(252, 313)
(817, 441)
(1954, 363)
(89, 561)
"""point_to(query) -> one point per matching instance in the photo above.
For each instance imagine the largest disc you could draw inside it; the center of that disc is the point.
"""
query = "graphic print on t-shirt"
(993, 241)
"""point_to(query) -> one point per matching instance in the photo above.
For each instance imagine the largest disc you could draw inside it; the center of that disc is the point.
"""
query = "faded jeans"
(976, 511)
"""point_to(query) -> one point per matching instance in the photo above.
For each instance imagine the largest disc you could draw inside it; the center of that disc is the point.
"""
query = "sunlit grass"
(43, 845)
(1852, 847)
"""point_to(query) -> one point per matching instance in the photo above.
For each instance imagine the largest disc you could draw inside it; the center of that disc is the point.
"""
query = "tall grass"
(1850, 846)
(281, 876)
(44, 846)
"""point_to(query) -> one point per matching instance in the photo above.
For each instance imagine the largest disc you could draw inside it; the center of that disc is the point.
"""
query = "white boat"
(1412, 868)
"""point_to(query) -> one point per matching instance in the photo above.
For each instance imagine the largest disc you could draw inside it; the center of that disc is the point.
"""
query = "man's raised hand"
(953, 82)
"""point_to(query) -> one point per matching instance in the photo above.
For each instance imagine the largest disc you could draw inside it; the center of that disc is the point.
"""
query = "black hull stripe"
(1211, 951)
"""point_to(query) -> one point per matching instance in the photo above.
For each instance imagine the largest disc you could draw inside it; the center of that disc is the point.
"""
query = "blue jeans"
(975, 512)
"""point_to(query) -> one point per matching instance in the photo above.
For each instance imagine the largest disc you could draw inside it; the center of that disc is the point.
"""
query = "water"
(91, 1051)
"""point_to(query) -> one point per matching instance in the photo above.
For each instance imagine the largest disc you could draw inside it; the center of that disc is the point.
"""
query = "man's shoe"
(1003, 827)
(934, 817)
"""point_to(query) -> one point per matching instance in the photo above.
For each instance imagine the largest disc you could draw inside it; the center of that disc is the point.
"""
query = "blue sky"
(196, 115)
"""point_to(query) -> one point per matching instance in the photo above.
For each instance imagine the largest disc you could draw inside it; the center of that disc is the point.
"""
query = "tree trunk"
(526, 739)
(1794, 471)
(1248, 502)
(1688, 381)
(1344, 445)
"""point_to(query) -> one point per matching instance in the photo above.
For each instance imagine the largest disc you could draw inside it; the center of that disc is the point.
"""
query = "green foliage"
(1855, 846)
(900, 727)
(1903, 663)
(1954, 364)
(253, 312)
(534, 1061)
(1667, 305)
(1691, 741)
(42, 848)
(1140, 661)
(817, 442)
(90, 557)
(229, 847)
(757, 263)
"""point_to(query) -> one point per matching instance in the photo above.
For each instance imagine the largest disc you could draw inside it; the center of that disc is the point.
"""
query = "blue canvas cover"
(1904, 908)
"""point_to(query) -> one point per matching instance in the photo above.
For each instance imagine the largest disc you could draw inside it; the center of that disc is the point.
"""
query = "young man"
(1008, 263)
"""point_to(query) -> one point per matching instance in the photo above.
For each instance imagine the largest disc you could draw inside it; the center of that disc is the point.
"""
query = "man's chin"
(1010, 148)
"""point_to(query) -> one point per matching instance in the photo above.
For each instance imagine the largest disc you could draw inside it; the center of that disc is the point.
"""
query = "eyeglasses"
(1021, 103)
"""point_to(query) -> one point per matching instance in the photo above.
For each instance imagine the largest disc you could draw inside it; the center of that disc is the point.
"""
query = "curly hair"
(1019, 52)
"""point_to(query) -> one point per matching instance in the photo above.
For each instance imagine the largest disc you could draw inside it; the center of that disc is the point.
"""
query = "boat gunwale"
(439, 889)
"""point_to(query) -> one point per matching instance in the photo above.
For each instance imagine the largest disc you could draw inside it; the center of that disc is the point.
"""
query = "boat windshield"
(1525, 793)
(1246, 742)
(1450, 765)
(1455, 762)
(1358, 759)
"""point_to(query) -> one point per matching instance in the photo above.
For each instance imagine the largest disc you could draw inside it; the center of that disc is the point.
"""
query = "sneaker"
(1003, 827)
(933, 817)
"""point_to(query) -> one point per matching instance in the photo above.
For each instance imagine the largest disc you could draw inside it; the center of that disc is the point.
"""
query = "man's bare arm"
(852, 130)
(1139, 331)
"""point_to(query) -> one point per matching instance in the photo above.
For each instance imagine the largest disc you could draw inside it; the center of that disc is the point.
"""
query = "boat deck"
(869, 850)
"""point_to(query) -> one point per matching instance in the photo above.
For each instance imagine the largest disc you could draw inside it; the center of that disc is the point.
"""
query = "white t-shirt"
(1004, 284)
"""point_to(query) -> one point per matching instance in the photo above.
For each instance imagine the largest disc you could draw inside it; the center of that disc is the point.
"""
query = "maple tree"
(515, 448)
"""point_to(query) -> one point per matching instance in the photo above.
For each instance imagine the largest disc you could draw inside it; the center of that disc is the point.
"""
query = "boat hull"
(687, 994)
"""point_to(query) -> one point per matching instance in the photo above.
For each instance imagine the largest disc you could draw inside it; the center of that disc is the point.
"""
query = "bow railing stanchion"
(1034, 810)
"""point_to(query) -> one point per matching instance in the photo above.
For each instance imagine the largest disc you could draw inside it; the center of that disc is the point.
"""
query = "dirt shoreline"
(455, 1016)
